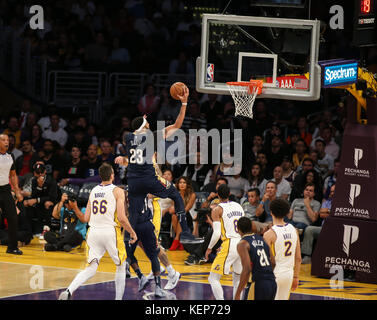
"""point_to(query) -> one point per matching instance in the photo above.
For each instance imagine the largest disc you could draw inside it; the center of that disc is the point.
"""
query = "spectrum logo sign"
(338, 72)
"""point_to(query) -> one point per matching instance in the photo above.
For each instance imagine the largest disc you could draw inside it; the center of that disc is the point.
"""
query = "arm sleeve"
(215, 235)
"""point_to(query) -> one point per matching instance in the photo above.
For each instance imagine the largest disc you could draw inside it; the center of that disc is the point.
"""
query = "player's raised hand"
(120, 160)
(185, 95)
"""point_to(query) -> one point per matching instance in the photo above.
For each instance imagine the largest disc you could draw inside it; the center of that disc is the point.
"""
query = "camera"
(39, 168)
(71, 197)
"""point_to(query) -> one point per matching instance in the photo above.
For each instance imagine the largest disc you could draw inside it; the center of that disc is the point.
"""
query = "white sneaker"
(150, 276)
(142, 283)
(159, 292)
(65, 295)
(173, 281)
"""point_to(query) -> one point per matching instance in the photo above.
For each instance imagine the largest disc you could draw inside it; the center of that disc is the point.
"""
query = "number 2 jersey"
(284, 248)
(103, 207)
(260, 258)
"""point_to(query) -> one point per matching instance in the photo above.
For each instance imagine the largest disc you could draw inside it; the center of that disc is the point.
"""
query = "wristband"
(184, 103)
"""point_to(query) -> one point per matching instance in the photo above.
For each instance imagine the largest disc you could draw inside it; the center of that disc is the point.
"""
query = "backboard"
(281, 52)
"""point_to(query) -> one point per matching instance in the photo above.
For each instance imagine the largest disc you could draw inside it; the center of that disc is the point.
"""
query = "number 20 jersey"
(284, 248)
(103, 207)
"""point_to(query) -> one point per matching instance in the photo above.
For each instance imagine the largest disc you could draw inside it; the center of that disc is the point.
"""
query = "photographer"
(43, 196)
(72, 225)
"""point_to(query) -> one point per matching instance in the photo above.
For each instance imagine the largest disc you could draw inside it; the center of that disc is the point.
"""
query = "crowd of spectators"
(287, 152)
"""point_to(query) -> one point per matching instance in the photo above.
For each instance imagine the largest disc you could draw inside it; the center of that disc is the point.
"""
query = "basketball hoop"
(244, 94)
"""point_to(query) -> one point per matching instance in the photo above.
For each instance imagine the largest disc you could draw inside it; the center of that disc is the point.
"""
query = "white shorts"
(100, 240)
(284, 283)
(227, 257)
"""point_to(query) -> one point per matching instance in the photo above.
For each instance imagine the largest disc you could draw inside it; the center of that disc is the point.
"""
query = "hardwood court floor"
(41, 275)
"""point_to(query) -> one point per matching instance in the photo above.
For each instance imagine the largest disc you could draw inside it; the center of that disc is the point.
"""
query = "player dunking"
(255, 257)
(284, 242)
(143, 172)
(225, 216)
(105, 213)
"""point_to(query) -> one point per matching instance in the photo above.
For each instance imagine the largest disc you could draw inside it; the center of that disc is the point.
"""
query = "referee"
(8, 177)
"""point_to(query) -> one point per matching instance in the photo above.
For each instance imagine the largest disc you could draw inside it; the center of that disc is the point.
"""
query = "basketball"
(177, 89)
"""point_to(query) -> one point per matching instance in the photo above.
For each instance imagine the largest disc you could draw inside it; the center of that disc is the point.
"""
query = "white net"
(244, 98)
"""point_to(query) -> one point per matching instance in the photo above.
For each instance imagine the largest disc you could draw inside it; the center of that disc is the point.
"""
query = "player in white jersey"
(106, 214)
(225, 217)
(284, 242)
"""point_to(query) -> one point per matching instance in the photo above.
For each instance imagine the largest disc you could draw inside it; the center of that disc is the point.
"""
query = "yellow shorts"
(227, 257)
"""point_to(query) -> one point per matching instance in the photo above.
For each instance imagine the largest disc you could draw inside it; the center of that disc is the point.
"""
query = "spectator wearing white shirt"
(45, 122)
(55, 133)
(332, 148)
(283, 186)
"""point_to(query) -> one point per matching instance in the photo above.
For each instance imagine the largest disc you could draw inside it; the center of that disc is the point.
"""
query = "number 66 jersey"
(103, 207)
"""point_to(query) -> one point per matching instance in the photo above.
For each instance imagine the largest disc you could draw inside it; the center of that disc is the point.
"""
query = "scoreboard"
(365, 31)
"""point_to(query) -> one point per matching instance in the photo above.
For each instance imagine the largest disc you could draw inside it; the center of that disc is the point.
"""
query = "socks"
(236, 282)
(170, 270)
(138, 273)
(157, 280)
(120, 281)
(217, 289)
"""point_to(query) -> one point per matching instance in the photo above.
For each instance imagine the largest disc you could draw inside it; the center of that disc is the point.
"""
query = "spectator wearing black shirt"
(92, 162)
(50, 160)
(36, 138)
(275, 154)
(74, 168)
(41, 202)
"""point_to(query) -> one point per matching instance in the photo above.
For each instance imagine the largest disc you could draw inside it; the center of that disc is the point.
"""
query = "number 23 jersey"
(284, 248)
(103, 207)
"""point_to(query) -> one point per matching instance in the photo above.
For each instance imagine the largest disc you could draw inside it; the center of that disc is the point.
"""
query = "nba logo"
(210, 72)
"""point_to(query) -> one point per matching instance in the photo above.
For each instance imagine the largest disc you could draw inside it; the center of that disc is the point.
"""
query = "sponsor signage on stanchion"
(338, 72)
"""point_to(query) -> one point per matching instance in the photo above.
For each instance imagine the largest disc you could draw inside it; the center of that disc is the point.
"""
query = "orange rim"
(251, 84)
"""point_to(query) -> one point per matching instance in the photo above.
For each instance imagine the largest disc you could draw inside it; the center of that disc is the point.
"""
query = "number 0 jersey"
(103, 207)
(284, 248)
(232, 211)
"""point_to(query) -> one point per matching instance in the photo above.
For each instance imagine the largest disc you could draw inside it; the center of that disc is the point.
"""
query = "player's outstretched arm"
(179, 121)
(243, 248)
(121, 160)
(122, 218)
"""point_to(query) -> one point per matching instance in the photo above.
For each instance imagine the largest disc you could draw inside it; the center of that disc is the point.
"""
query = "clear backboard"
(281, 52)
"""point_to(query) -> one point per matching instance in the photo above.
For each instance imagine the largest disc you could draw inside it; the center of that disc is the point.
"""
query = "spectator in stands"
(197, 173)
(283, 186)
(50, 159)
(312, 232)
(25, 163)
(74, 168)
(119, 55)
(275, 153)
(224, 167)
(45, 122)
(96, 53)
(212, 109)
(250, 206)
(41, 202)
(92, 162)
(291, 142)
(302, 130)
(30, 120)
(193, 114)
(257, 145)
(299, 181)
(213, 196)
(300, 154)
(288, 172)
(37, 140)
(14, 129)
(55, 133)
(12, 147)
(188, 195)
(325, 161)
(304, 211)
(332, 148)
(331, 179)
(169, 111)
(237, 184)
(78, 138)
(263, 162)
(149, 102)
(72, 225)
(256, 178)
(92, 134)
(181, 64)
(24, 113)
(263, 212)
(107, 154)
(263, 118)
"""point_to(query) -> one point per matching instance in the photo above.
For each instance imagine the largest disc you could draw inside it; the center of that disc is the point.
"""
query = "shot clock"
(365, 31)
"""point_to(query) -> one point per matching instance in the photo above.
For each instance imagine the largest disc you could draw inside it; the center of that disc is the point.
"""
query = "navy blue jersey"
(260, 257)
(139, 150)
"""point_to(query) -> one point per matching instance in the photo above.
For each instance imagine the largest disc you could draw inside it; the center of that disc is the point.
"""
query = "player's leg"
(173, 275)
(284, 284)
(117, 252)
(95, 251)
(265, 290)
(234, 260)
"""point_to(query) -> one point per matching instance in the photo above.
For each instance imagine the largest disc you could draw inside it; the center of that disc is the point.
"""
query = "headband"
(142, 125)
